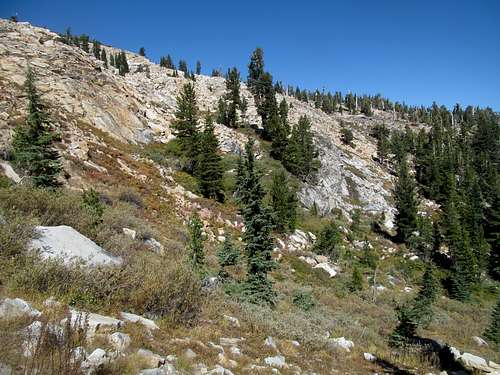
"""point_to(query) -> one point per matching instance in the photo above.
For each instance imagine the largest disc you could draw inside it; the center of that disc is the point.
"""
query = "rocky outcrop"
(81, 93)
(63, 242)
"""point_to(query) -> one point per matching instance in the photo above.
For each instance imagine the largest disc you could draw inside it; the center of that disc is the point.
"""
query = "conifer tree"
(209, 163)
(346, 136)
(283, 202)
(233, 97)
(142, 51)
(228, 255)
(185, 124)
(32, 142)
(196, 251)
(356, 280)
(406, 203)
(198, 67)
(418, 312)
(464, 263)
(257, 237)
(368, 257)
(84, 42)
(301, 154)
(184, 68)
(492, 333)
(96, 49)
(328, 241)
(104, 58)
(255, 72)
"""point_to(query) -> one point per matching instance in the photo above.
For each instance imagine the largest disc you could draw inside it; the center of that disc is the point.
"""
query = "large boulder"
(66, 243)
(16, 308)
(133, 318)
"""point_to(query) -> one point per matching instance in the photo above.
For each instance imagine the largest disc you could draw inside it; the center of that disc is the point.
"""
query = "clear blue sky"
(412, 51)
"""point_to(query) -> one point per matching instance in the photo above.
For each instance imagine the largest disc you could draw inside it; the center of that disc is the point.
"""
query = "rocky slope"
(138, 108)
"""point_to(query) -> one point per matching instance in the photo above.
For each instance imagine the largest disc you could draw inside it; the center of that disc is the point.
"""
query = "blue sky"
(413, 51)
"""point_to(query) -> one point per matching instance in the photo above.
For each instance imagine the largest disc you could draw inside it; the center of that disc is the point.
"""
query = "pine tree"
(32, 142)
(222, 117)
(96, 49)
(369, 257)
(142, 51)
(84, 42)
(301, 154)
(356, 280)
(209, 164)
(104, 58)
(186, 124)
(233, 97)
(283, 202)
(328, 241)
(492, 333)
(346, 136)
(417, 312)
(427, 295)
(183, 67)
(406, 203)
(228, 255)
(198, 67)
(255, 72)
(196, 252)
(257, 237)
(464, 264)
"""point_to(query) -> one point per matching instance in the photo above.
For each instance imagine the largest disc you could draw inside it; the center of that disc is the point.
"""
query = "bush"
(15, 232)
(328, 241)
(145, 285)
(131, 197)
(49, 207)
(303, 300)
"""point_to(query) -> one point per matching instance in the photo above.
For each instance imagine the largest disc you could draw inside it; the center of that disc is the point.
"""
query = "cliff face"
(81, 95)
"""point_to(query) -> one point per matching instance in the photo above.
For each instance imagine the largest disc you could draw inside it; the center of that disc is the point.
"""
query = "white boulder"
(70, 245)
(340, 343)
(276, 361)
(119, 341)
(133, 318)
(332, 272)
(16, 308)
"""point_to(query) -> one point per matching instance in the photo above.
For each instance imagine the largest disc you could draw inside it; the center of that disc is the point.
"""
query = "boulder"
(153, 359)
(369, 357)
(479, 341)
(5, 369)
(328, 268)
(9, 172)
(234, 321)
(276, 361)
(230, 341)
(340, 343)
(129, 232)
(190, 354)
(95, 322)
(95, 360)
(154, 245)
(66, 243)
(133, 318)
(16, 308)
(474, 362)
(226, 362)
(166, 369)
(119, 341)
(269, 341)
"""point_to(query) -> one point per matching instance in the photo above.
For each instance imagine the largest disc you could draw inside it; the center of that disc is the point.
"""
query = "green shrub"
(49, 207)
(15, 232)
(303, 300)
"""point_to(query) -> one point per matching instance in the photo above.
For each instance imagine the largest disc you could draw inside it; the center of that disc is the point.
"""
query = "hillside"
(117, 138)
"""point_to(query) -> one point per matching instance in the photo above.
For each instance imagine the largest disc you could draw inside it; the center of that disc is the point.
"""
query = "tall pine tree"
(257, 237)
(406, 203)
(185, 125)
(32, 143)
(209, 163)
